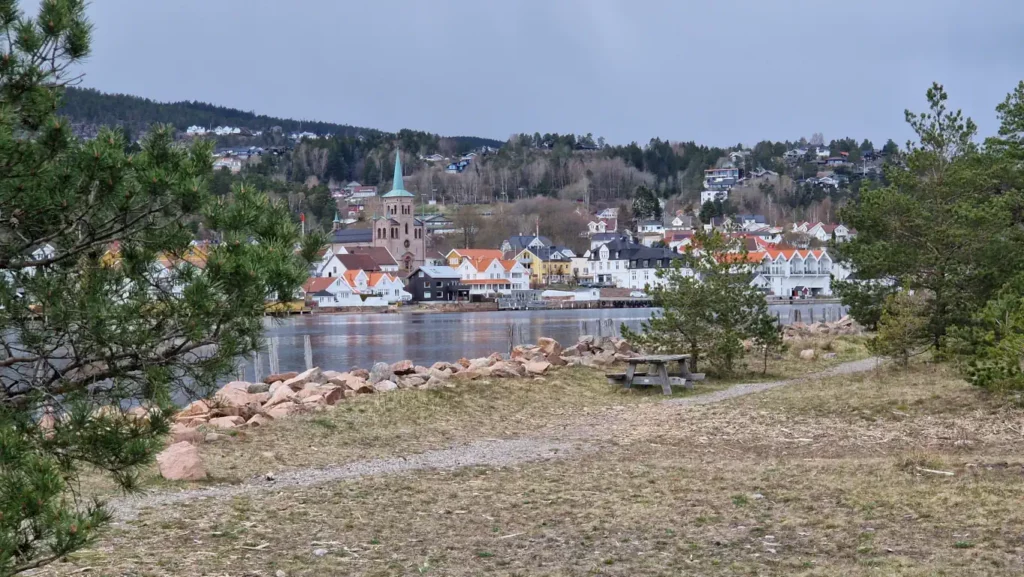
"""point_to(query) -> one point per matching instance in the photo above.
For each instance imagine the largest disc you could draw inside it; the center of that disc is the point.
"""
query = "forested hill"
(136, 114)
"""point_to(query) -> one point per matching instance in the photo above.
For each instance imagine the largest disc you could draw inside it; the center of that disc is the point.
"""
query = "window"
(406, 228)
(426, 295)
(438, 284)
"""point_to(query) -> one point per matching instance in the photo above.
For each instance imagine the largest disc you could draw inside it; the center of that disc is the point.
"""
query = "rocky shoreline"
(241, 405)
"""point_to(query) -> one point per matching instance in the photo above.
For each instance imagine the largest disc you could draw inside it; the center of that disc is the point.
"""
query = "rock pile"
(843, 327)
(239, 405)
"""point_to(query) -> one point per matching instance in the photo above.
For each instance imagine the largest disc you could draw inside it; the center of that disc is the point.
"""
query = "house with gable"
(490, 277)
(387, 286)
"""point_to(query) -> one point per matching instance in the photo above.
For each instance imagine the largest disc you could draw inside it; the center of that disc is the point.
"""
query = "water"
(340, 342)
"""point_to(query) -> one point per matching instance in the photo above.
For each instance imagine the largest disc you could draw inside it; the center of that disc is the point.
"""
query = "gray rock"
(257, 388)
(380, 372)
(319, 552)
(384, 386)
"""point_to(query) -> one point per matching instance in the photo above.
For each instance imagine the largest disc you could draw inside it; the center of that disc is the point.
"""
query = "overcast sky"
(715, 71)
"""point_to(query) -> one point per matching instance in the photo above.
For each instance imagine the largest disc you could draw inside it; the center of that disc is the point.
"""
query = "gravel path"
(488, 452)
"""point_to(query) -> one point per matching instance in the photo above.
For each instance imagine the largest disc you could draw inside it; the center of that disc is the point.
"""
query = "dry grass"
(825, 477)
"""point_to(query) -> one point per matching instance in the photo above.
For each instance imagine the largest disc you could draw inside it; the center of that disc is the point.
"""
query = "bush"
(902, 328)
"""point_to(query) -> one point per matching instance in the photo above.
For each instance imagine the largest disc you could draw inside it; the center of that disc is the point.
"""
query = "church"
(398, 230)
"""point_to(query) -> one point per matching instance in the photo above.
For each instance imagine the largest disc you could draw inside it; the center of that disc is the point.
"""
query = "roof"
(487, 281)
(477, 252)
(353, 235)
(376, 277)
(398, 185)
(508, 264)
(351, 276)
(606, 236)
(439, 272)
(315, 284)
(519, 242)
(358, 262)
(379, 254)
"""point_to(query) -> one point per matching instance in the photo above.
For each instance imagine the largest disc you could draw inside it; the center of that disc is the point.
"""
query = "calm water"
(341, 342)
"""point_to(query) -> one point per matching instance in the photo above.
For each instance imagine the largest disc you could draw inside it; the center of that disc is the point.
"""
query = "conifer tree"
(105, 301)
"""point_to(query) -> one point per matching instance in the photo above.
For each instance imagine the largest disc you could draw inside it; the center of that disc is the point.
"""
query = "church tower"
(399, 230)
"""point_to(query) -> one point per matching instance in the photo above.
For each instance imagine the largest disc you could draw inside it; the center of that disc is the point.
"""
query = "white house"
(825, 232)
(388, 287)
(713, 195)
(627, 265)
(792, 272)
(232, 163)
(490, 277)
(650, 232)
(336, 292)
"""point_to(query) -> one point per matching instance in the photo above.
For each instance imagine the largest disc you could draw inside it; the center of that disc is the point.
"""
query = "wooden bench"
(658, 375)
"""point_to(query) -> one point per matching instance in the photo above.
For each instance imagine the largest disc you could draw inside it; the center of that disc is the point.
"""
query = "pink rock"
(227, 422)
(403, 368)
(279, 377)
(260, 420)
(537, 367)
(181, 462)
(549, 347)
(183, 434)
(281, 395)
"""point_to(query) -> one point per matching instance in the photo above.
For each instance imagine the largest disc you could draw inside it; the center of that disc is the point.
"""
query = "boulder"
(807, 355)
(282, 395)
(622, 346)
(477, 364)
(257, 388)
(282, 410)
(233, 394)
(260, 397)
(443, 374)
(507, 369)
(328, 375)
(332, 395)
(275, 386)
(421, 370)
(181, 462)
(340, 379)
(411, 381)
(310, 390)
(314, 401)
(555, 361)
(585, 342)
(300, 380)
(360, 373)
(537, 367)
(364, 389)
(468, 375)
(271, 379)
(573, 351)
(227, 422)
(830, 355)
(463, 362)
(434, 384)
(182, 434)
(259, 420)
(443, 366)
(193, 409)
(384, 386)
(549, 347)
(599, 360)
(403, 368)
(572, 361)
(380, 372)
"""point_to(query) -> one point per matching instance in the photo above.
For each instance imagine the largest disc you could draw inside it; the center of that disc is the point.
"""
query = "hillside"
(92, 107)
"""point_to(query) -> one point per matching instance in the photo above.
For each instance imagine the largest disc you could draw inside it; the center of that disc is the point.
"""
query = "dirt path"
(578, 439)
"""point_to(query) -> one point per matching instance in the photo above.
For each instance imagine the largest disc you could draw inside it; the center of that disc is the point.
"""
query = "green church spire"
(398, 185)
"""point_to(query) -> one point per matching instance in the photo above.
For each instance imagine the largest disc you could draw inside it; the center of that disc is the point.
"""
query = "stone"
(282, 395)
(573, 351)
(282, 410)
(411, 381)
(349, 393)
(481, 363)
(227, 422)
(257, 388)
(328, 375)
(468, 375)
(537, 367)
(260, 420)
(182, 434)
(384, 386)
(233, 394)
(260, 397)
(136, 412)
(181, 462)
(443, 374)
(585, 342)
(441, 366)
(215, 437)
(332, 395)
(314, 375)
(421, 370)
(572, 361)
(507, 369)
(403, 368)
(193, 409)
(830, 355)
(622, 346)
(275, 386)
(360, 373)
(599, 360)
(463, 362)
(379, 372)
(364, 389)
(807, 355)
(310, 390)
(314, 401)
(271, 379)
(433, 384)
(319, 552)
(549, 347)
(555, 360)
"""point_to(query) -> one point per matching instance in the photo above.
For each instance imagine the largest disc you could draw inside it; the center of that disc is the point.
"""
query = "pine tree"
(105, 302)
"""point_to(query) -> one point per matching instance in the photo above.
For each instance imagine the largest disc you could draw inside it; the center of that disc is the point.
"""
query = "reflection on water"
(341, 342)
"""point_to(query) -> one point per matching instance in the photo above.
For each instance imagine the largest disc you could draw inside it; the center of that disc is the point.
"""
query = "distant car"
(637, 295)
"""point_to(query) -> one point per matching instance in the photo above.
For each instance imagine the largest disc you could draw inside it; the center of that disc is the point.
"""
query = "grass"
(838, 476)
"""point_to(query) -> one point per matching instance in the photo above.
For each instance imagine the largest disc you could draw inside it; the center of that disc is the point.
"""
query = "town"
(390, 263)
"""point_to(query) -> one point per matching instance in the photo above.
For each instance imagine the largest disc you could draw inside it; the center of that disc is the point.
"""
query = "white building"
(713, 195)
(627, 265)
(792, 272)
(825, 232)
(490, 277)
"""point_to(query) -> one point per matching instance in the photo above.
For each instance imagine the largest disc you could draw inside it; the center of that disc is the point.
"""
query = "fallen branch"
(934, 472)
(259, 547)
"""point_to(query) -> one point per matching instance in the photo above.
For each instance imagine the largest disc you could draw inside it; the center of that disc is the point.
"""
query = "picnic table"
(657, 374)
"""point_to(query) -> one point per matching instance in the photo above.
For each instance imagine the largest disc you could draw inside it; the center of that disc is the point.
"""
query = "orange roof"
(751, 257)
(194, 255)
(486, 281)
(376, 277)
(350, 276)
(478, 253)
(481, 263)
(315, 284)
(789, 253)
(508, 264)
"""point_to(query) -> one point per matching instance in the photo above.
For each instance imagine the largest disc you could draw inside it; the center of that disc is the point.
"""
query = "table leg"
(666, 388)
(630, 371)
(684, 372)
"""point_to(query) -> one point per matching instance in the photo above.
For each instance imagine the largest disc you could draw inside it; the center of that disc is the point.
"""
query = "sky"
(718, 72)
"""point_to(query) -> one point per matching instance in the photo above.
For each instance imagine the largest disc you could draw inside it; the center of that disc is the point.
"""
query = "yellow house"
(546, 266)
(455, 256)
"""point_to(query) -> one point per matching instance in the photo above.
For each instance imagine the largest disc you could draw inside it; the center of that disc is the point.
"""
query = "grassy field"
(882, 473)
